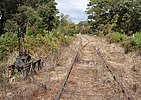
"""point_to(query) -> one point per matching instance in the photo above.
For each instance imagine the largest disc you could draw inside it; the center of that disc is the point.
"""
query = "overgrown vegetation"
(119, 19)
(117, 37)
(39, 21)
(84, 27)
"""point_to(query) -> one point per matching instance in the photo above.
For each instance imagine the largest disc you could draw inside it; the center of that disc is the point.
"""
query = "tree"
(98, 11)
(124, 13)
(48, 11)
(39, 13)
(7, 8)
(129, 16)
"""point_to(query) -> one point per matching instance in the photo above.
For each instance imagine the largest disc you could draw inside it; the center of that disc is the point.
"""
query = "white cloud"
(74, 8)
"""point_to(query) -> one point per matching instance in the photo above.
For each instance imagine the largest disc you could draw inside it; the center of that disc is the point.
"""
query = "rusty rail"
(129, 95)
(57, 97)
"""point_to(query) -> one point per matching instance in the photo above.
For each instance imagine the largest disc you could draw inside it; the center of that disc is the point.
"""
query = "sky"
(74, 8)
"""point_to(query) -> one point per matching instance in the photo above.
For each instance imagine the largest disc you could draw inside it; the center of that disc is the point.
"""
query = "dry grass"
(45, 83)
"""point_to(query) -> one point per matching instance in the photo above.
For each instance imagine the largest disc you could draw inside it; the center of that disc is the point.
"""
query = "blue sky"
(74, 8)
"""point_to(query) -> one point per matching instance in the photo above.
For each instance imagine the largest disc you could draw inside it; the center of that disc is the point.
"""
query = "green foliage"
(116, 17)
(132, 43)
(137, 39)
(11, 26)
(39, 22)
(29, 16)
(47, 11)
(125, 14)
(99, 12)
(84, 27)
(67, 27)
(34, 14)
(51, 41)
(70, 29)
(118, 37)
(8, 42)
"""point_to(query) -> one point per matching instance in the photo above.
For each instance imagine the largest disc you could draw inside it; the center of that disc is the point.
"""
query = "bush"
(50, 41)
(137, 39)
(133, 43)
(129, 45)
(36, 37)
(8, 42)
(117, 37)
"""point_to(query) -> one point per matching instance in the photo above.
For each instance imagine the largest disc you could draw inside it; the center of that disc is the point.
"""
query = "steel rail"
(59, 93)
(128, 94)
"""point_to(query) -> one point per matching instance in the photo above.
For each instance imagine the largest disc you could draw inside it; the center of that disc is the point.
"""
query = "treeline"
(119, 19)
(39, 20)
(21, 12)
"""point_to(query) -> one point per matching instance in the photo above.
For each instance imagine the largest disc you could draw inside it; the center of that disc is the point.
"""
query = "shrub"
(133, 43)
(117, 37)
(51, 41)
(11, 26)
(129, 45)
(8, 42)
(137, 39)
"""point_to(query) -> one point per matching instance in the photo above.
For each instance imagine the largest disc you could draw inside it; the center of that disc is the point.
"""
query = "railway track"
(90, 77)
(129, 95)
(70, 69)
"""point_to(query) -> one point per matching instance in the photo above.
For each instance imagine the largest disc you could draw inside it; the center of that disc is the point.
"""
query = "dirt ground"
(90, 79)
